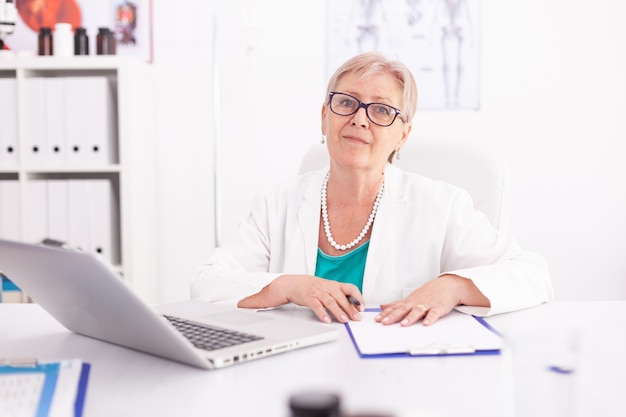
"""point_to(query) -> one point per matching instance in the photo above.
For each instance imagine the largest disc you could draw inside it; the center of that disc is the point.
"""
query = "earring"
(398, 154)
(323, 141)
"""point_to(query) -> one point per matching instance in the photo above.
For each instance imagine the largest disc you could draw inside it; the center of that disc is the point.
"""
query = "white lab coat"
(423, 228)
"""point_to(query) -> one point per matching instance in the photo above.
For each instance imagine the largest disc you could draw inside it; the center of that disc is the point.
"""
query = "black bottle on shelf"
(105, 42)
(45, 41)
(81, 41)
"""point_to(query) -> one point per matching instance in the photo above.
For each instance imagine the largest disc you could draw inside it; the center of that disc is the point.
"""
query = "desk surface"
(128, 383)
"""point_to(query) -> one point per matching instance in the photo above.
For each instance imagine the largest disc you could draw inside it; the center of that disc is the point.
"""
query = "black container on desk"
(315, 404)
(105, 42)
(81, 41)
(322, 404)
(45, 41)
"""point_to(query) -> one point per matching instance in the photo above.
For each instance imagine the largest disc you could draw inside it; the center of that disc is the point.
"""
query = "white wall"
(182, 61)
(552, 100)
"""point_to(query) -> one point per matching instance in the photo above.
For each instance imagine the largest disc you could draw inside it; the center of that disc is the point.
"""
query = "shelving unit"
(128, 171)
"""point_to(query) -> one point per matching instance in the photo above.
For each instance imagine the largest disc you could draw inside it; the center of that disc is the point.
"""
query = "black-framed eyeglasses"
(380, 114)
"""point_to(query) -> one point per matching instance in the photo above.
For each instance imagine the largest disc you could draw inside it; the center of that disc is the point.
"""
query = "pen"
(353, 300)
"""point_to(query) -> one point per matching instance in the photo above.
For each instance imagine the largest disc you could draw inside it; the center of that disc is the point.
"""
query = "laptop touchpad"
(238, 318)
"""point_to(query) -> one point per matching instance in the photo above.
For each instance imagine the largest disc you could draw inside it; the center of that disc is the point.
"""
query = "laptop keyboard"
(207, 337)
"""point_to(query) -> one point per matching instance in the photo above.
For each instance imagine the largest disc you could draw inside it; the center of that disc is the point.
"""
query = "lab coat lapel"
(385, 229)
(309, 220)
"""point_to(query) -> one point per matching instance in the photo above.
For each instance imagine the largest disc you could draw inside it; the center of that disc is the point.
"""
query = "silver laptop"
(88, 297)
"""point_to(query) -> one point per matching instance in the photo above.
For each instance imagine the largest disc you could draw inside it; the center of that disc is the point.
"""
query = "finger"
(354, 298)
(414, 315)
(348, 298)
(392, 314)
(384, 312)
(338, 308)
(432, 316)
(318, 309)
(357, 302)
(352, 306)
(253, 301)
(390, 306)
(262, 299)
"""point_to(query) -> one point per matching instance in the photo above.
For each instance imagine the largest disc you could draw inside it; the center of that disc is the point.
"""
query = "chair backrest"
(476, 167)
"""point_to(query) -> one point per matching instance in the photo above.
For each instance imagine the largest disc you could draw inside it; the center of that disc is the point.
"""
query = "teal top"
(347, 268)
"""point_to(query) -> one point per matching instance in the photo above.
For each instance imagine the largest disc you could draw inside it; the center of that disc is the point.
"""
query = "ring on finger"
(423, 307)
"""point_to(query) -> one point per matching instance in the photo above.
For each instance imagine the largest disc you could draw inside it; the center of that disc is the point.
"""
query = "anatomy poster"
(129, 20)
(438, 40)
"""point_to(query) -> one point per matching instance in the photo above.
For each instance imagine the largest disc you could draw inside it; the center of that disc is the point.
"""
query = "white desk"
(128, 383)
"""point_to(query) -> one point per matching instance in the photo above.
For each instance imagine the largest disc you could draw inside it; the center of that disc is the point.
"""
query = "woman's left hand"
(432, 301)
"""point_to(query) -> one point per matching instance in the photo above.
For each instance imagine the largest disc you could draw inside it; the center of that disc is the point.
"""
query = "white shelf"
(130, 172)
(113, 168)
(73, 63)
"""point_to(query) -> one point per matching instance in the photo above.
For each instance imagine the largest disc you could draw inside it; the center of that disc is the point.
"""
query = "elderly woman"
(367, 233)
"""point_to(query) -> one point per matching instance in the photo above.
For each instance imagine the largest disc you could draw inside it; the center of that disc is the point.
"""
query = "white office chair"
(476, 167)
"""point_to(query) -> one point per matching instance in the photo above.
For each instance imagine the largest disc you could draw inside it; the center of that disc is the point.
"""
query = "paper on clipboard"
(453, 334)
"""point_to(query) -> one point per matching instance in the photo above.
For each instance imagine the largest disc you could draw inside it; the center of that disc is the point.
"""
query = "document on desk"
(43, 389)
(454, 334)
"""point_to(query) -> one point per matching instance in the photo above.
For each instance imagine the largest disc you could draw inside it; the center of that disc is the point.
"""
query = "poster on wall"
(130, 21)
(439, 40)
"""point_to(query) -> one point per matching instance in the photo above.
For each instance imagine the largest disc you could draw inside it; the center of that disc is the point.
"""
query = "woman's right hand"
(322, 296)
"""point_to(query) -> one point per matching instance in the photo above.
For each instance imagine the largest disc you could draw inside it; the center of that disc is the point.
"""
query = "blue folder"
(51, 371)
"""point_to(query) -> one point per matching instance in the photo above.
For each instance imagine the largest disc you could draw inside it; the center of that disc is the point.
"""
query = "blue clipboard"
(431, 350)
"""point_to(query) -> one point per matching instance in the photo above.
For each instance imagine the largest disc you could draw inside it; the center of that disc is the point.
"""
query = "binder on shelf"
(79, 214)
(77, 119)
(10, 213)
(58, 210)
(44, 389)
(91, 121)
(93, 218)
(454, 334)
(55, 150)
(8, 123)
(35, 210)
(101, 149)
(104, 219)
(34, 129)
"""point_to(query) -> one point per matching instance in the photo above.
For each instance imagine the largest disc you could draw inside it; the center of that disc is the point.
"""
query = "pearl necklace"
(361, 235)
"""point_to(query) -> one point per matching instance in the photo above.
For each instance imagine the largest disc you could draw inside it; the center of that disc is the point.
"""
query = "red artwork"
(46, 13)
